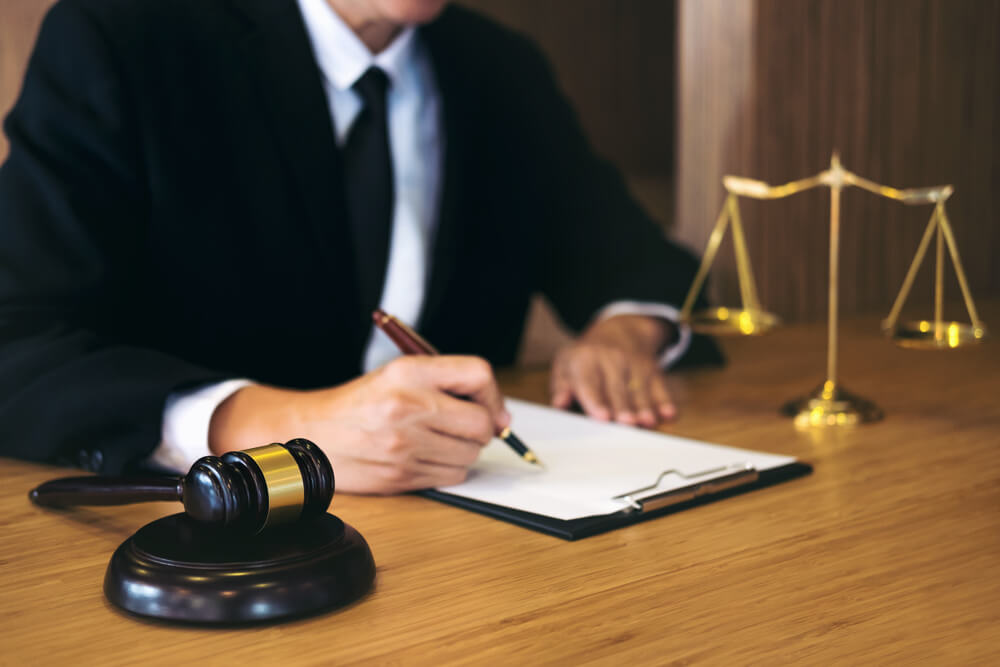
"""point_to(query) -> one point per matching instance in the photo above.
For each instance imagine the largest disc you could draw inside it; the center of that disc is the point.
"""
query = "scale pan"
(733, 321)
(927, 335)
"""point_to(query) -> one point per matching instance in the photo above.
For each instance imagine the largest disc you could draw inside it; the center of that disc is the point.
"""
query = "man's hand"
(612, 371)
(399, 428)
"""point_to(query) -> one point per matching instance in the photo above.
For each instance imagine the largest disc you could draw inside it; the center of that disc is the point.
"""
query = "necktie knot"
(372, 88)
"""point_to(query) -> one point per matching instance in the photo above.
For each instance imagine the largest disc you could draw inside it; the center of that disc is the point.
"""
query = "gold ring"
(634, 384)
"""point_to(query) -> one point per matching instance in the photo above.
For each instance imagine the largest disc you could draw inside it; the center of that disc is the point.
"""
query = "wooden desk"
(888, 553)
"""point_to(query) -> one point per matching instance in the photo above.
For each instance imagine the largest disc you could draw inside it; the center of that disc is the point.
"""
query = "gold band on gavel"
(285, 490)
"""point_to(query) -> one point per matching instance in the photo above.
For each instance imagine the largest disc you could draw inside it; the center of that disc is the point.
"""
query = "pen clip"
(722, 478)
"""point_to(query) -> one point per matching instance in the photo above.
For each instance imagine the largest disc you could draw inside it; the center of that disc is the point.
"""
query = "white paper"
(588, 463)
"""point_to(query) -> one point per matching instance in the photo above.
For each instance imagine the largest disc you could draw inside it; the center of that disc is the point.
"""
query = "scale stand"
(830, 404)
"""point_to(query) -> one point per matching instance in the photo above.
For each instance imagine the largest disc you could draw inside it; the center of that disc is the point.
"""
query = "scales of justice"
(830, 404)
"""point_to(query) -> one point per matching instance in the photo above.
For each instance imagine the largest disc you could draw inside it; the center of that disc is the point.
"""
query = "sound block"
(176, 569)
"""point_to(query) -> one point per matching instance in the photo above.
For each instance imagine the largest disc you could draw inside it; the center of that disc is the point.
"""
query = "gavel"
(248, 491)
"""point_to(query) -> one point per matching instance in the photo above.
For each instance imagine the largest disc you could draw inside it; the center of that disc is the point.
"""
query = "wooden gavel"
(244, 490)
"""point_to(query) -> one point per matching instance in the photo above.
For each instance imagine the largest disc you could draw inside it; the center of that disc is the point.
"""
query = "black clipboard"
(650, 507)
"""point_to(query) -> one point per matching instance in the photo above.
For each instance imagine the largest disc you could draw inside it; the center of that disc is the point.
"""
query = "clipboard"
(629, 454)
(575, 529)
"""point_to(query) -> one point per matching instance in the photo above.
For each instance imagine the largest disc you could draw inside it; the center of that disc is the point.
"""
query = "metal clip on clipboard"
(725, 477)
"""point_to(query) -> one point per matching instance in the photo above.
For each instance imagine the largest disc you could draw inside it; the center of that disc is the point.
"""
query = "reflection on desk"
(889, 552)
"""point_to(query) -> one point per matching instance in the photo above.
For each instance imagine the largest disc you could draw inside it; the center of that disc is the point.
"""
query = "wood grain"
(907, 90)
(615, 61)
(889, 553)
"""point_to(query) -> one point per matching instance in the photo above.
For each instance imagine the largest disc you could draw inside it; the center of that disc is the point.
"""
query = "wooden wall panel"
(715, 101)
(615, 60)
(907, 90)
(19, 23)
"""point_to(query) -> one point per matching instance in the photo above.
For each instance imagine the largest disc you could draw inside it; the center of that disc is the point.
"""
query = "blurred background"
(678, 93)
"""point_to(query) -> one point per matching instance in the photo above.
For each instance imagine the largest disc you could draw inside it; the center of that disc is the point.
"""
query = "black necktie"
(368, 170)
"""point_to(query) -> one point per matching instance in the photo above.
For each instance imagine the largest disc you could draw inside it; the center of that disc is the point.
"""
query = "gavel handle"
(105, 491)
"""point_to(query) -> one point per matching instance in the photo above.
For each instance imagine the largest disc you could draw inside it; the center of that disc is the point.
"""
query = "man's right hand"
(399, 428)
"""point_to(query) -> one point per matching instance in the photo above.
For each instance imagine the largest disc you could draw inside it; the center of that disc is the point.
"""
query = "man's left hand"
(613, 371)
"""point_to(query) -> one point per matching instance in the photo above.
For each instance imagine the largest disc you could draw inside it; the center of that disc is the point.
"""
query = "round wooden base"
(176, 569)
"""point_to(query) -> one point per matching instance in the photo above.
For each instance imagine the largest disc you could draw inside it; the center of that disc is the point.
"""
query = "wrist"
(637, 333)
(250, 417)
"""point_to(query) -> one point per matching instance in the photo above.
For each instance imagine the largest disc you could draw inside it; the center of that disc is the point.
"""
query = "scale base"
(831, 405)
(175, 569)
(732, 321)
(929, 335)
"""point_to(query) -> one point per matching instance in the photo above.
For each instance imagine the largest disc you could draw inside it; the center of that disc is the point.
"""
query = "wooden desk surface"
(888, 553)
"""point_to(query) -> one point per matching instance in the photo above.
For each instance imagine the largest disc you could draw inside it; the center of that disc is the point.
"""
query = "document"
(594, 468)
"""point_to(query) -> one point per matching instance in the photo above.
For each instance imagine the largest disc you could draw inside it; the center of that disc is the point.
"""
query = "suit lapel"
(279, 56)
(448, 237)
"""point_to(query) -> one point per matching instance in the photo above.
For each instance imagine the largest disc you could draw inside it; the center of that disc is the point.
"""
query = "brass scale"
(830, 404)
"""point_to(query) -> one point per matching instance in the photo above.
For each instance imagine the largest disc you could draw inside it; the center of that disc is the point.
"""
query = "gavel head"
(259, 488)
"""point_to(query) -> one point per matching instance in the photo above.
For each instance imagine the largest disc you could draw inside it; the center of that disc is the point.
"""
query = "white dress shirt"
(417, 145)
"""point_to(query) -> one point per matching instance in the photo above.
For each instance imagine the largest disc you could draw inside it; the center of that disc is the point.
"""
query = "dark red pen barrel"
(407, 340)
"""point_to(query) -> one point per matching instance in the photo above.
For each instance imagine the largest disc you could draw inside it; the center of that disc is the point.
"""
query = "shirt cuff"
(187, 416)
(675, 350)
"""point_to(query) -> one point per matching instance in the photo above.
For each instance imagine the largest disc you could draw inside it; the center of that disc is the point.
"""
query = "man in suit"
(205, 199)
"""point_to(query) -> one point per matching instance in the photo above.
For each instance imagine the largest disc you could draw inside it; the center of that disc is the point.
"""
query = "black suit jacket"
(172, 213)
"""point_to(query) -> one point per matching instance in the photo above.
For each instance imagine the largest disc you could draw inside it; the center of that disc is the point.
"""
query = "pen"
(410, 342)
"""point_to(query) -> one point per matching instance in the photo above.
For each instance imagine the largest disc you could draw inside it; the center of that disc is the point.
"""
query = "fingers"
(462, 420)
(419, 458)
(387, 478)
(588, 388)
(422, 475)
(408, 456)
(662, 401)
(611, 384)
(560, 388)
(650, 395)
(615, 373)
(468, 377)
(426, 475)
(402, 447)
(576, 377)
(640, 393)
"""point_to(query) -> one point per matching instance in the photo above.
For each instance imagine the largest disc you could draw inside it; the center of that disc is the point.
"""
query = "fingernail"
(668, 410)
(601, 414)
(626, 418)
(646, 417)
(505, 418)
